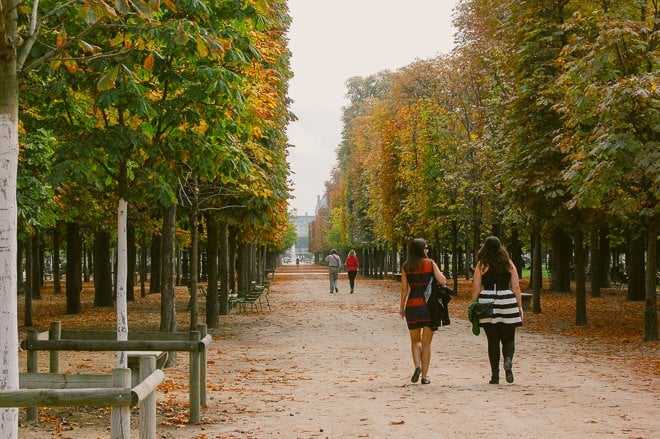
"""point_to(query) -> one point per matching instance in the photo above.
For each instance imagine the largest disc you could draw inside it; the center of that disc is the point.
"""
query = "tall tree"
(608, 85)
(9, 154)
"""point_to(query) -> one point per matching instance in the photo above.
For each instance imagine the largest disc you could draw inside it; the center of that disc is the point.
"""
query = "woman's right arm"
(439, 277)
(476, 282)
(404, 293)
(515, 286)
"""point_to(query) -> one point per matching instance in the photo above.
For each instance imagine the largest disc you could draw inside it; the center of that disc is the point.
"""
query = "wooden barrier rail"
(60, 390)
(194, 342)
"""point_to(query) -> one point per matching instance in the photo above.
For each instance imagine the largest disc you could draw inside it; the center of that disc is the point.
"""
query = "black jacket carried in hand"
(438, 305)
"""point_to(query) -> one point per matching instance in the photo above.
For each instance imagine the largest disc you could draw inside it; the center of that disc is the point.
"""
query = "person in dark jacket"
(416, 273)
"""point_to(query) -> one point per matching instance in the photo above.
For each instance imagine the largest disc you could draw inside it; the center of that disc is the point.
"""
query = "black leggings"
(351, 278)
(496, 334)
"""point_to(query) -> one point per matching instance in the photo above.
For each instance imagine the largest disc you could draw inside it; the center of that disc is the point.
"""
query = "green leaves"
(107, 81)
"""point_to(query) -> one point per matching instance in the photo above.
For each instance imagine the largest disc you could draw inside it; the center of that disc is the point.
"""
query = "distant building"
(301, 247)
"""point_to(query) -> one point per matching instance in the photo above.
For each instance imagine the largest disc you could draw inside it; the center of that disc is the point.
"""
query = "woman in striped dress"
(416, 273)
(496, 281)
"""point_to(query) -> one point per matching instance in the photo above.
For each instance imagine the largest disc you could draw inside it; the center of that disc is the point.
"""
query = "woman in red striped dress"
(415, 276)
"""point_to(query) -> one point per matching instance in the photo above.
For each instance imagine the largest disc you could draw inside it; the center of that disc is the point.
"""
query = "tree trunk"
(537, 268)
(178, 252)
(35, 271)
(131, 255)
(42, 263)
(143, 267)
(185, 267)
(232, 260)
(651, 308)
(594, 260)
(27, 313)
(102, 270)
(580, 287)
(515, 250)
(87, 261)
(122, 274)
(223, 268)
(154, 276)
(212, 316)
(73, 268)
(20, 250)
(635, 266)
(476, 239)
(57, 284)
(168, 296)
(8, 213)
(194, 265)
(604, 249)
(243, 269)
(561, 261)
(454, 254)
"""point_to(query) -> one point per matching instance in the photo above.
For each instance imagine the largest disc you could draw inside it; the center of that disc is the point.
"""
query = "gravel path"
(322, 365)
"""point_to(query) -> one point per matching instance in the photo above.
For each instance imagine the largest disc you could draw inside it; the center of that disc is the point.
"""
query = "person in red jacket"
(351, 265)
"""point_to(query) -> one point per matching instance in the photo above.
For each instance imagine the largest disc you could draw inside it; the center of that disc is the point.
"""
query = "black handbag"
(483, 310)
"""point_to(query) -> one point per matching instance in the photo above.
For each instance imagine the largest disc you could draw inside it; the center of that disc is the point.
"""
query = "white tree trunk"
(8, 224)
(8, 284)
(122, 268)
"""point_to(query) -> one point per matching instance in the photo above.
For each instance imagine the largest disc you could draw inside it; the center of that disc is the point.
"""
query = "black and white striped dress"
(497, 289)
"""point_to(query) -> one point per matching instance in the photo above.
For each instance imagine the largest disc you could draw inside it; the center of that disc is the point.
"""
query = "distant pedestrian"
(496, 281)
(352, 264)
(416, 273)
(334, 264)
(297, 261)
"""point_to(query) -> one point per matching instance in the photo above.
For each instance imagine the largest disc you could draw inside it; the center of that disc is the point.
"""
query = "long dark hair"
(416, 254)
(493, 256)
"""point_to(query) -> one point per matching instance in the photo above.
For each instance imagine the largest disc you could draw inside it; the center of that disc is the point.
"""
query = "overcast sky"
(333, 40)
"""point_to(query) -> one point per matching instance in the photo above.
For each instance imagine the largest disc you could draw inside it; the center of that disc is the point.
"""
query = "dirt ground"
(320, 365)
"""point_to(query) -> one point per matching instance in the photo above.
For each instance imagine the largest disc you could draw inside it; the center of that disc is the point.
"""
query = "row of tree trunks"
(376, 261)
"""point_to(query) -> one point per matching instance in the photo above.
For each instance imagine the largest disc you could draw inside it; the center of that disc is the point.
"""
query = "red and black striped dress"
(417, 313)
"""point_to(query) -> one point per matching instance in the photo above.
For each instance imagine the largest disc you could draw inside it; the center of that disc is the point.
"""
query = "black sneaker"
(416, 374)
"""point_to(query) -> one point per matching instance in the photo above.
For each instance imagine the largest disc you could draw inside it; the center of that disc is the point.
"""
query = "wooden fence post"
(193, 381)
(32, 414)
(120, 417)
(148, 405)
